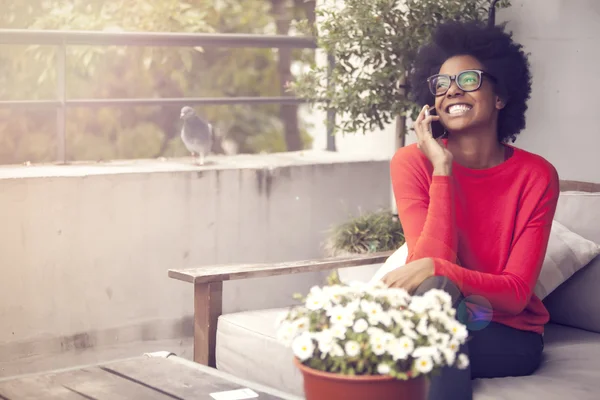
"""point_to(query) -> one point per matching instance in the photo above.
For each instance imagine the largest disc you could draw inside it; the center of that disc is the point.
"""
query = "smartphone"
(437, 130)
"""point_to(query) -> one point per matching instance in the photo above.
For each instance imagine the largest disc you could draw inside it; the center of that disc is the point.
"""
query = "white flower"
(353, 306)
(407, 344)
(397, 316)
(410, 333)
(379, 340)
(443, 317)
(373, 330)
(373, 311)
(335, 293)
(303, 346)
(360, 326)
(419, 304)
(454, 345)
(458, 331)
(428, 352)
(422, 326)
(338, 331)
(352, 348)
(341, 315)
(401, 319)
(463, 361)
(424, 364)
(399, 349)
(301, 324)
(398, 297)
(316, 299)
(385, 318)
(286, 333)
(325, 342)
(383, 369)
(337, 351)
(449, 355)
(441, 296)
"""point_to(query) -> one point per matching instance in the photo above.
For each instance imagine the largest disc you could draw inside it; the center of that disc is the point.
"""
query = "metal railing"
(62, 39)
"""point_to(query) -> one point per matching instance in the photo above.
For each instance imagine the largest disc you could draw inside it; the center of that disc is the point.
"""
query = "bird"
(197, 134)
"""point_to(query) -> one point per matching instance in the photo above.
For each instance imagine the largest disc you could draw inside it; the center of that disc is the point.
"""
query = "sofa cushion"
(576, 302)
(567, 253)
(570, 369)
(580, 212)
(247, 347)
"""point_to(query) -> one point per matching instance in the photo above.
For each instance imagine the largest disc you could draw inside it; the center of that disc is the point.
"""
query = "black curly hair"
(500, 56)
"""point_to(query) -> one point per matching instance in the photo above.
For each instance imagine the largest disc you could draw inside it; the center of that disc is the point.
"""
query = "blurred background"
(28, 72)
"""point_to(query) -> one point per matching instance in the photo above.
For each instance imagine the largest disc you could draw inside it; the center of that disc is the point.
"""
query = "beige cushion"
(567, 253)
(246, 347)
(576, 302)
(580, 212)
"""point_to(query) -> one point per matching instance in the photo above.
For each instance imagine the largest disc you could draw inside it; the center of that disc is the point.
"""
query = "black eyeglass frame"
(452, 78)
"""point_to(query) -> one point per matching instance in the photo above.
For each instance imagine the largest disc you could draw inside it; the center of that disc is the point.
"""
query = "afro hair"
(500, 56)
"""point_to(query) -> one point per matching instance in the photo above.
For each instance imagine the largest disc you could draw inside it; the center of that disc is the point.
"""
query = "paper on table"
(238, 394)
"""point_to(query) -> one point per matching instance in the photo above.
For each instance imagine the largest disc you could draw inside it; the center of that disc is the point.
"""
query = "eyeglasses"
(468, 81)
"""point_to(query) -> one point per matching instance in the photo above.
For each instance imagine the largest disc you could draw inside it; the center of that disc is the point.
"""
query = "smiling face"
(462, 111)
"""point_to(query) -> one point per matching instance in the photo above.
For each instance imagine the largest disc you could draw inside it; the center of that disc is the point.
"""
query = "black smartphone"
(437, 130)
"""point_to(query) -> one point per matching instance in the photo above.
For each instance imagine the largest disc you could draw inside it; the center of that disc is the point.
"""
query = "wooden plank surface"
(148, 378)
(32, 388)
(227, 272)
(179, 379)
(578, 186)
(85, 383)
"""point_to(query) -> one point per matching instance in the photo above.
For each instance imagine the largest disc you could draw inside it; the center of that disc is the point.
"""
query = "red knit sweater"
(487, 230)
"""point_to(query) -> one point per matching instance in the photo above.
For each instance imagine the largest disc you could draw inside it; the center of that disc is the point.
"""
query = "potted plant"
(368, 232)
(367, 341)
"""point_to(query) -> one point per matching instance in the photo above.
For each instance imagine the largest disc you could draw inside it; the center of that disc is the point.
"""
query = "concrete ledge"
(187, 164)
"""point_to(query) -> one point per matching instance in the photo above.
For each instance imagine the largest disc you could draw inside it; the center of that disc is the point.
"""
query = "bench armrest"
(229, 272)
(208, 290)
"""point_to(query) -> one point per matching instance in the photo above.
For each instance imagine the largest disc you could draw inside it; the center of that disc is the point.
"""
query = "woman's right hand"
(434, 149)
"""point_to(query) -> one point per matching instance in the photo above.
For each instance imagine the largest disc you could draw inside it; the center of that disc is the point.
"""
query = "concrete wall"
(85, 249)
(563, 123)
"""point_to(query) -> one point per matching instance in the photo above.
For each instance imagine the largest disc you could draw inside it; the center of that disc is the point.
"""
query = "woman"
(476, 211)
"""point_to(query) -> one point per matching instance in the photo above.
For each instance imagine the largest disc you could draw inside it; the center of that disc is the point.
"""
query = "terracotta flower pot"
(320, 385)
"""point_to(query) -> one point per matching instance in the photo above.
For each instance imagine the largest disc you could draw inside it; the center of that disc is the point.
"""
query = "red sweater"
(496, 221)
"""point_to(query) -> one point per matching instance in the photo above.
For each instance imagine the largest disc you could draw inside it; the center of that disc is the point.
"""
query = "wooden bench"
(208, 290)
(208, 282)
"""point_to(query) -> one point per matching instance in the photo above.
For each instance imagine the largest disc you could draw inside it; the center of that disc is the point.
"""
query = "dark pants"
(494, 351)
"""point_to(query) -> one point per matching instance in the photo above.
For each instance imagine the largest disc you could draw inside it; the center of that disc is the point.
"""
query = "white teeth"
(459, 109)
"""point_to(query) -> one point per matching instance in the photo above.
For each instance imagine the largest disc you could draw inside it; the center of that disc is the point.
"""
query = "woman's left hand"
(411, 275)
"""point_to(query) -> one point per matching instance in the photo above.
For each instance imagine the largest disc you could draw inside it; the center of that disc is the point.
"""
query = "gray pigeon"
(196, 134)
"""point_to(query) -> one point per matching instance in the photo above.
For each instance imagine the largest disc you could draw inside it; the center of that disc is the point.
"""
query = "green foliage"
(28, 72)
(370, 232)
(374, 43)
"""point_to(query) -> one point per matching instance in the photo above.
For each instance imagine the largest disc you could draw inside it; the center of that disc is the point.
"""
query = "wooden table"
(157, 376)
